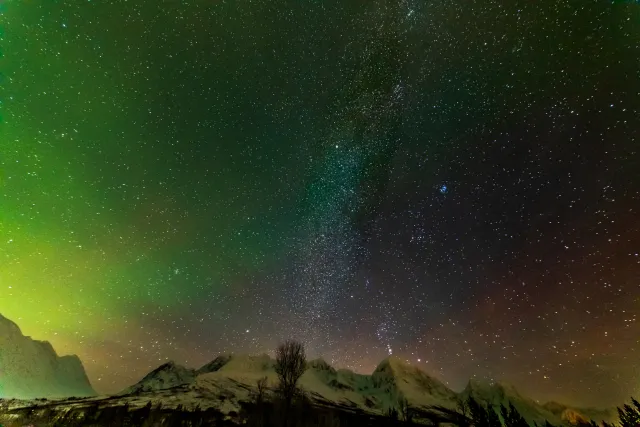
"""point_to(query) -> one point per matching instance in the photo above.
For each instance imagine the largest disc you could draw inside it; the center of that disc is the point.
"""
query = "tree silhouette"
(142, 414)
(462, 406)
(291, 362)
(512, 417)
(630, 415)
(392, 413)
(477, 413)
(492, 416)
(261, 390)
(405, 409)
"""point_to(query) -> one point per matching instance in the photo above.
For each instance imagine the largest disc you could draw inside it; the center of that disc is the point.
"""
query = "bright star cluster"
(454, 183)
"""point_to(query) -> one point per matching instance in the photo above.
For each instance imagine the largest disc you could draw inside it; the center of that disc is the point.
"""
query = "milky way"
(454, 183)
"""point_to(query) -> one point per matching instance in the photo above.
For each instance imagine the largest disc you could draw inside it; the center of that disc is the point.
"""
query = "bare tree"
(291, 362)
(462, 406)
(261, 386)
(257, 416)
(405, 409)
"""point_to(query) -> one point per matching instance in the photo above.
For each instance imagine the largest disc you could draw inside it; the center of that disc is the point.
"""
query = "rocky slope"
(31, 368)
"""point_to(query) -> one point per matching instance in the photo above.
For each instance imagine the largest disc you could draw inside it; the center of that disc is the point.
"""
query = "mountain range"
(31, 369)
(229, 379)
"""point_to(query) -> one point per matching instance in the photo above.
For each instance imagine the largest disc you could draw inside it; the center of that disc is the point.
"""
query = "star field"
(455, 183)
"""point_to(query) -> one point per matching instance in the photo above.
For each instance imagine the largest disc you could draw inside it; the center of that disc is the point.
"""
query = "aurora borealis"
(454, 182)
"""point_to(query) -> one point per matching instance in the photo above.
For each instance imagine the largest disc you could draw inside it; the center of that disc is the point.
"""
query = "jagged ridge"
(229, 379)
(32, 368)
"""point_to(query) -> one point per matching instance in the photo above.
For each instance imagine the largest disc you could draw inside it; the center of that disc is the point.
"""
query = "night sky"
(456, 183)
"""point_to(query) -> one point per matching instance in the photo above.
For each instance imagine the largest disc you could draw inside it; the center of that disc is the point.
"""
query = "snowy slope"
(166, 376)
(238, 372)
(214, 365)
(230, 379)
(501, 393)
(399, 378)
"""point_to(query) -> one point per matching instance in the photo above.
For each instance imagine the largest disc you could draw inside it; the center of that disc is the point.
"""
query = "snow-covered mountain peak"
(165, 376)
(497, 393)
(398, 377)
(479, 384)
(400, 369)
(507, 388)
(32, 368)
(247, 363)
(215, 364)
(230, 379)
(8, 328)
(238, 362)
(321, 365)
(392, 364)
(491, 390)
